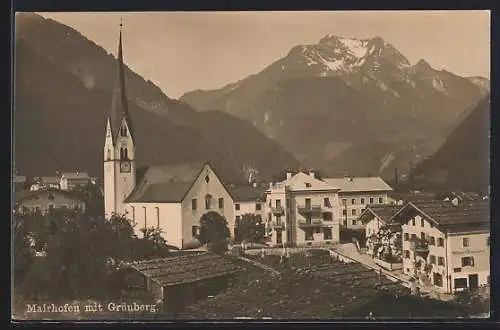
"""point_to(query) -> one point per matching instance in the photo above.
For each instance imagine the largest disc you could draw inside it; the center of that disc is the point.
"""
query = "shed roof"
(358, 184)
(186, 269)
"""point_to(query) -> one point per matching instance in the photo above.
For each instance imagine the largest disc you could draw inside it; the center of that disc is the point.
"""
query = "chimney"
(270, 184)
(312, 174)
(288, 175)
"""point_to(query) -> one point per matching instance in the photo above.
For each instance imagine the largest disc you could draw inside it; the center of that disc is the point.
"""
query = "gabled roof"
(298, 183)
(382, 212)
(76, 176)
(358, 184)
(119, 102)
(168, 183)
(186, 269)
(23, 195)
(449, 217)
(247, 193)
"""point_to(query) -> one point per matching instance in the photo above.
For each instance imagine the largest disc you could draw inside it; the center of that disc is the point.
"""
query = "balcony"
(311, 223)
(419, 245)
(278, 210)
(309, 209)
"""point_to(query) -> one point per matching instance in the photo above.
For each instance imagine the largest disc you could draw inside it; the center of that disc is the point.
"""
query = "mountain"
(462, 163)
(482, 83)
(397, 111)
(63, 93)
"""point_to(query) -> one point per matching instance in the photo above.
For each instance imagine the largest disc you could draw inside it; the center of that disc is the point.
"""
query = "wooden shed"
(183, 280)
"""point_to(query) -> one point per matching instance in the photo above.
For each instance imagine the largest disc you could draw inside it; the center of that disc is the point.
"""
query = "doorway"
(473, 281)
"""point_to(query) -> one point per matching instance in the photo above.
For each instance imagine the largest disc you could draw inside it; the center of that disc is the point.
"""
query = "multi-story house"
(248, 200)
(43, 201)
(355, 193)
(72, 180)
(376, 217)
(302, 210)
(446, 245)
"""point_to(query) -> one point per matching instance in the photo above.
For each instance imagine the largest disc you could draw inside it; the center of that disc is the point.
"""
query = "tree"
(250, 228)
(213, 231)
(23, 253)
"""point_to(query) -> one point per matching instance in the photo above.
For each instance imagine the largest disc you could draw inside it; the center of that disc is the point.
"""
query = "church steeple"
(119, 103)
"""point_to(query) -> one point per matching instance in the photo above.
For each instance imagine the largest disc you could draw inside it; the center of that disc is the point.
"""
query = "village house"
(446, 245)
(72, 180)
(376, 217)
(248, 200)
(355, 194)
(46, 200)
(302, 210)
(180, 281)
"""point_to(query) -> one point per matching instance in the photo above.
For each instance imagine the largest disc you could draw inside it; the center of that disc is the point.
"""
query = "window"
(157, 217)
(327, 202)
(327, 233)
(194, 204)
(440, 261)
(362, 201)
(237, 207)
(413, 237)
(145, 218)
(237, 220)
(413, 222)
(421, 222)
(208, 201)
(467, 261)
(422, 236)
(194, 231)
(278, 203)
(438, 279)
(371, 200)
(432, 240)
(353, 211)
(308, 185)
(354, 222)
(432, 259)
(457, 270)
(407, 254)
(309, 235)
(440, 242)
(465, 242)
(407, 237)
(344, 212)
(460, 283)
(207, 179)
(270, 202)
(109, 154)
(221, 203)
(327, 216)
(123, 131)
(432, 225)
(380, 200)
(308, 203)
(363, 210)
(344, 223)
(353, 201)
(258, 206)
(344, 201)
(317, 230)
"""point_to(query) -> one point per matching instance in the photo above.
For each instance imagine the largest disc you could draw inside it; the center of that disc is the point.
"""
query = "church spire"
(119, 103)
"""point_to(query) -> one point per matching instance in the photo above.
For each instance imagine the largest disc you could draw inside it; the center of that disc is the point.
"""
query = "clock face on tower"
(125, 166)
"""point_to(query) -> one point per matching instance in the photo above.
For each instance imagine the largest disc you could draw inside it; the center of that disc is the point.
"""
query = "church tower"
(119, 146)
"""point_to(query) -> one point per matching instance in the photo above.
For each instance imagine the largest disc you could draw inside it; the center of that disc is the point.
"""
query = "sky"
(184, 51)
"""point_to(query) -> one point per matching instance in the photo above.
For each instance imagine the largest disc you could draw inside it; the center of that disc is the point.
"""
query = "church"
(171, 197)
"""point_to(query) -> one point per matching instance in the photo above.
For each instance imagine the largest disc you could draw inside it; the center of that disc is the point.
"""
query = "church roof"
(119, 103)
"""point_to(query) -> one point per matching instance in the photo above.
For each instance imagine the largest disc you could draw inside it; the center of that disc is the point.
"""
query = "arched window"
(125, 153)
(124, 131)
(121, 153)
(157, 217)
(109, 154)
